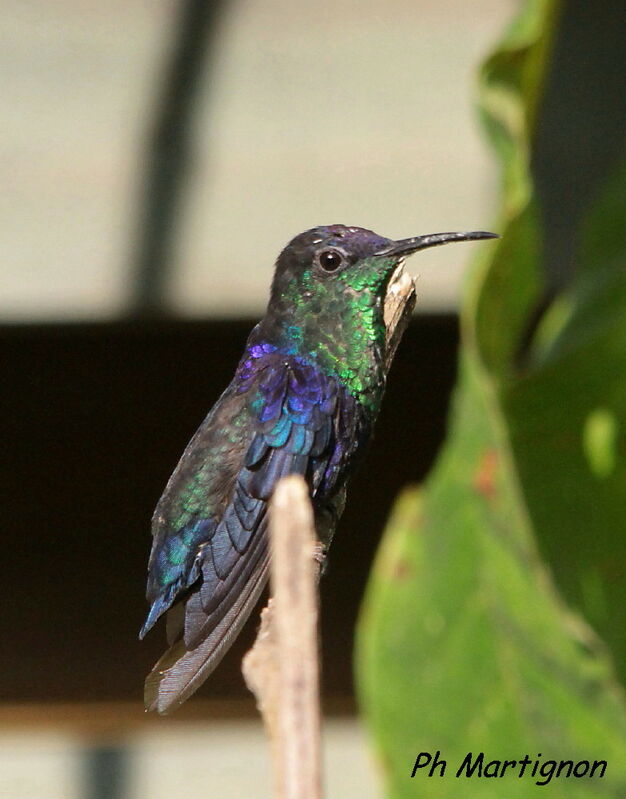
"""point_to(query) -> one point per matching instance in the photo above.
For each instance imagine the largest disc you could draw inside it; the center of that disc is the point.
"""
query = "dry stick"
(282, 668)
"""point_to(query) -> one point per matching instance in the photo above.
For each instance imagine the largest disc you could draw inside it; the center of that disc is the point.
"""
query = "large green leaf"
(464, 644)
(566, 418)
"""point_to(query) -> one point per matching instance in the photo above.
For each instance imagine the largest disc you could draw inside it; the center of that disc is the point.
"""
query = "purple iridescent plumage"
(289, 423)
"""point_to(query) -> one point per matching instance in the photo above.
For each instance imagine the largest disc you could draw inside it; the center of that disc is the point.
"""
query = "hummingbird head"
(332, 260)
(329, 287)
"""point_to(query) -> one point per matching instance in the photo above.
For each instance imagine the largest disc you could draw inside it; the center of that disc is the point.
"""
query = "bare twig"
(282, 668)
(399, 303)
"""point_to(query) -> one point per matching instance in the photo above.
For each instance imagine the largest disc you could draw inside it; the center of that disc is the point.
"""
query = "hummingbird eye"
(330, 260)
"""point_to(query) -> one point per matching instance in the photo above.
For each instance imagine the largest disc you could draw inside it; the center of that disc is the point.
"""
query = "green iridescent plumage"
(339, 324)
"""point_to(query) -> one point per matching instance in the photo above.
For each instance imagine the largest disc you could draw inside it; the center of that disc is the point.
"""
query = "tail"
(181, 671)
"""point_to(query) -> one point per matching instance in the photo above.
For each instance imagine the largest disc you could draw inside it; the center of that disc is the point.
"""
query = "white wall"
(334, 111)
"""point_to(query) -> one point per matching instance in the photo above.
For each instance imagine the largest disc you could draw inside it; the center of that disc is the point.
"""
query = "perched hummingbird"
(303, 400)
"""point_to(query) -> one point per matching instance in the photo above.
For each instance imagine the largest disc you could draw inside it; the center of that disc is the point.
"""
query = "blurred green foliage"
(466, 643)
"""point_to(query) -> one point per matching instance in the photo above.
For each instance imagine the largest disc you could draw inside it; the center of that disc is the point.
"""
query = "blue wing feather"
(295, 420)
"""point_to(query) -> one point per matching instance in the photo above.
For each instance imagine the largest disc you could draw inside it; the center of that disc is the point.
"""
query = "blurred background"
(195, 139)
(156, 156)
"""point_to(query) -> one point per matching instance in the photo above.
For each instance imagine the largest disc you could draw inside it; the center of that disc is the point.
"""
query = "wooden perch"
(282, 668)
(399, 304)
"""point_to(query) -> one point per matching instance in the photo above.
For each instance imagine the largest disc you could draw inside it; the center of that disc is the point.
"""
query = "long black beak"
(408, 246)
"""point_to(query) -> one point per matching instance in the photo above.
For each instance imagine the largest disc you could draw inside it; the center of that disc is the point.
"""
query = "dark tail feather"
(181, 671)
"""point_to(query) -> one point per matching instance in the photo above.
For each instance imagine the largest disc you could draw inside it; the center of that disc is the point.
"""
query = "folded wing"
(294, 420)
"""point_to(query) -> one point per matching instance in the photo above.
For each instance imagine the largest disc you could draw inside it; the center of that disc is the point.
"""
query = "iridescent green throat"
(338, 323)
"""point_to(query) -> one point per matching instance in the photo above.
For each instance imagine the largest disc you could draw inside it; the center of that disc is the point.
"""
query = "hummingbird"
(303, 400)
